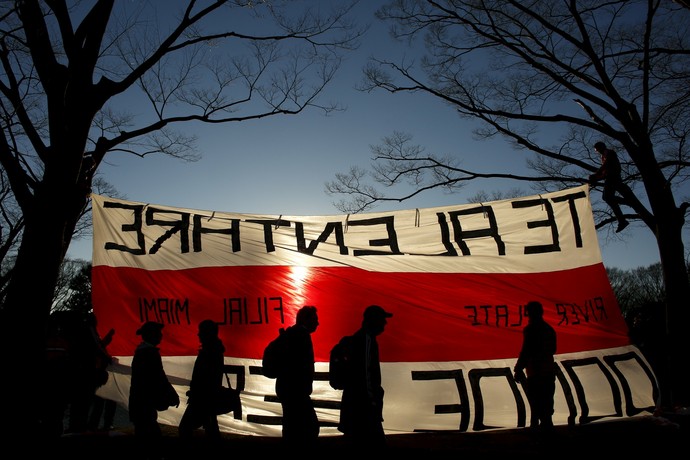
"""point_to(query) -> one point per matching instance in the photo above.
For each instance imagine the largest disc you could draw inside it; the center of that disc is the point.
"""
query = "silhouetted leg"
(609, 196)
(97, 405)
(109, 414)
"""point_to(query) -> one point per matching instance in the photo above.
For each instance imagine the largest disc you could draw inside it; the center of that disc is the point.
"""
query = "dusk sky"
(279, 165)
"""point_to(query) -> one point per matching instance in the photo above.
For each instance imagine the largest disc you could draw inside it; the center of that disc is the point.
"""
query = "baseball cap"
(374, 311)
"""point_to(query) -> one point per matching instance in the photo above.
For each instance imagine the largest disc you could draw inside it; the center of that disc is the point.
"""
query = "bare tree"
(12, 227)
(66, 65)
(637, 287)
(551, 78)
(72, 284)
(641, 296)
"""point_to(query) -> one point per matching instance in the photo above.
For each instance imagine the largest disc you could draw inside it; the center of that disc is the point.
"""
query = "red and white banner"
(456, 279)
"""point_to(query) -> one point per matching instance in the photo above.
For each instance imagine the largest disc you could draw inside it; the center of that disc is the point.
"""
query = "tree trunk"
(49, 225)
(675, 382)
(668, 224)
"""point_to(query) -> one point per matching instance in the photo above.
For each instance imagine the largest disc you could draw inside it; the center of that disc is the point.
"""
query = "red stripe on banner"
(437, 316)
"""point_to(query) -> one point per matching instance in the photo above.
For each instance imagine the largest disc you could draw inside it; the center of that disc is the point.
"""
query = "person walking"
(59, 374)
(205, 385)
(361, 408)
(102, 407)
(536, 359)
(150, 390)
(89, 366)
(610, 172)
(294, 386)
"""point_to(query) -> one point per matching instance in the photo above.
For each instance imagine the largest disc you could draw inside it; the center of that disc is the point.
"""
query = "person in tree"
(610, 173)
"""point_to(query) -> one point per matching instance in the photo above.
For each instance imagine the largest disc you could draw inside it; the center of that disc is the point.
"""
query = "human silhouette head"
(374, 319)
(307, 318)
(208, 330)
(534, 310)
(151, 332)
(600, 148)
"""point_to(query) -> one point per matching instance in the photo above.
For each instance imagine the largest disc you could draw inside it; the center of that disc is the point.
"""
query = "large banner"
(456, 278)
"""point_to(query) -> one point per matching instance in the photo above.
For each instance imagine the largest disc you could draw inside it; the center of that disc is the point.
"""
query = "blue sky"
(279, 165)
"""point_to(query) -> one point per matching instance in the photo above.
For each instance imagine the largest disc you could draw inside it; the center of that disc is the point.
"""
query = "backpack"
(338, 364)
(273, 358)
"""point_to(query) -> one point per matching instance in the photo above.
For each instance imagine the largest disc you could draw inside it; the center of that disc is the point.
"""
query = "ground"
(664, 436)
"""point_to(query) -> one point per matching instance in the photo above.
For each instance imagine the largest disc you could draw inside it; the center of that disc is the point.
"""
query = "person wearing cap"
(610, 172)
(361, 408)
(150, 390)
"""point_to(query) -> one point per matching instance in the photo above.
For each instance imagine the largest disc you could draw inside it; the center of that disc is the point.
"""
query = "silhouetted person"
(294, 387)
(89, 362)
(204, 387)
(150, 390)
(361, 409)
(536, 360)
(58, 372)
(102, 407)
(610, 172)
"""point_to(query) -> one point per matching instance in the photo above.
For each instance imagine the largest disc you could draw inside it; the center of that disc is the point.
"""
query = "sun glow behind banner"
(455, 277)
